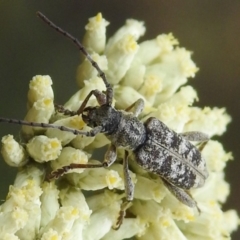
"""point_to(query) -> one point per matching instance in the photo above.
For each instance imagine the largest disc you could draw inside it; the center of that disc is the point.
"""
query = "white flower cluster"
(84, 204)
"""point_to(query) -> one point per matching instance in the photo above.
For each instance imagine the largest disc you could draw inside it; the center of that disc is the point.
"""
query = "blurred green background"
(211, 29)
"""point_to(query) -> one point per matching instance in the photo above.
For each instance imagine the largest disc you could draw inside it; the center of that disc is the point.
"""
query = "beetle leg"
(110, 156)
(129, 190)
(195, 136)
(101, 99)
(109, 159)
(201, 146)
(136, 106)
(61, 109)
(182, 195)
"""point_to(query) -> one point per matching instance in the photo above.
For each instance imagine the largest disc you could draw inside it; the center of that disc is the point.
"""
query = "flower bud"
(13, 153)
(44, 149)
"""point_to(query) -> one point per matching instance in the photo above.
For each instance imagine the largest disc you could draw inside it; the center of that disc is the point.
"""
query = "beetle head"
(104, 116)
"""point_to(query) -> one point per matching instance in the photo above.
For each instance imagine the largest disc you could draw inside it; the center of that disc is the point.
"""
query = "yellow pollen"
(54, 144)
(131, 44)
(99, 17)
(165, 223)
(77, 122)
(75, 212)
(55, 237)
(48, 101)
(112, 179)
(152, 85)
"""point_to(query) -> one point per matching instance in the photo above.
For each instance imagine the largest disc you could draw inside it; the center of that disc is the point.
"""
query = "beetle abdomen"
(129, 134)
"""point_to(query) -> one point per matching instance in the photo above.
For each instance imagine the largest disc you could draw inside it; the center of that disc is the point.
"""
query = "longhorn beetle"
(153, 145)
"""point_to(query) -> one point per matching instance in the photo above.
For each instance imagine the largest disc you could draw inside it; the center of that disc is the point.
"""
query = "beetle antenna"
(45, 125)
(109, 92)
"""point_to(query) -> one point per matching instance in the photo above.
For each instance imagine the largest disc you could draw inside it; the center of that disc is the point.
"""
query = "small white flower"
(212, 121)
(147, 189)
(13, 153)
(134, 76)
(150, 50)
(98, 178)
(166, 228)
(20, 214)
(103, 217)
(120, 57)
(44, 149)
(72, 196)
(216, 156)
(62, 223)
(49, 202)
(132, 27)
(39, 87)
(148, 211)
(95, 37)
(51, 234)
(12, 221)
(41, 111)
(113, 180)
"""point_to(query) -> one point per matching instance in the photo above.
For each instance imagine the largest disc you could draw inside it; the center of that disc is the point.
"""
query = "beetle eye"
(86, 111)
(85, 117)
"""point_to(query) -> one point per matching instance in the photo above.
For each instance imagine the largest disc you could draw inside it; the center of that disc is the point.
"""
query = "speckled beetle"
(153, 145)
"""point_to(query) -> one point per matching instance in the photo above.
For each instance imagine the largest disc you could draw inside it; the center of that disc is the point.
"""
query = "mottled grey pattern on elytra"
(171, 156)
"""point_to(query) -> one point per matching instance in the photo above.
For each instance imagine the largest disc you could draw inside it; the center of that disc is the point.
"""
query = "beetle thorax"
(130, 132)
